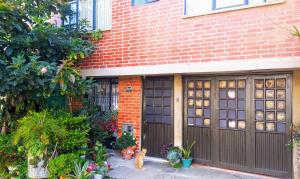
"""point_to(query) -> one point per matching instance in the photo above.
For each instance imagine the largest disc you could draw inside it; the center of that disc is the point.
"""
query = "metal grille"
(106, 94)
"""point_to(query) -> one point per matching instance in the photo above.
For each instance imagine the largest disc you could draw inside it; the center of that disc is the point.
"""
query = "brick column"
(130, 104)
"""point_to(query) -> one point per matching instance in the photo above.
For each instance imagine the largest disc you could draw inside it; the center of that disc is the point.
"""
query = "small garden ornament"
(139, 162)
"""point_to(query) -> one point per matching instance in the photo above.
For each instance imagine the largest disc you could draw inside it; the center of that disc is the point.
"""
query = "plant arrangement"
(295, 136)
(127, 144)
(172, 154)
(11, 158)
(174, 157)
(80, 171)
(38, 133)
(186, 155)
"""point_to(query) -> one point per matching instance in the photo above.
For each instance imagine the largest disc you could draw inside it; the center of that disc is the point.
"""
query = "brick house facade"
(243, 44)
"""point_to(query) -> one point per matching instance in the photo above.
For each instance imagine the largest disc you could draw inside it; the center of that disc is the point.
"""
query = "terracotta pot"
(128, 152)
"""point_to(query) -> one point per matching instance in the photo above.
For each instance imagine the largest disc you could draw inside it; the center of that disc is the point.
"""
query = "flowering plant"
(126, 140)
(109, 126)
(295, 136)
(165, 149)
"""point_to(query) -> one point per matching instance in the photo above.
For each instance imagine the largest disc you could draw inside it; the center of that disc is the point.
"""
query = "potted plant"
(80, 171)
(127, 144)
(186, 155)
(172, 154)
(38, 132)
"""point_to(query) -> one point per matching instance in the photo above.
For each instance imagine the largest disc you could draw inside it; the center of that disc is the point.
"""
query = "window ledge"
(235, 8)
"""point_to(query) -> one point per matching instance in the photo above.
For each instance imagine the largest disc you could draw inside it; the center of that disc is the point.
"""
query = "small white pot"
(98, 176)
(38, 171)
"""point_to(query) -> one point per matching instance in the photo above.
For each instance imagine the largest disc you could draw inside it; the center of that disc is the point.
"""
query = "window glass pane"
(222, 114)
(191, 112)
(259, 115)
(223, 104)
(270, 126)
(193, 7)
(206, 122)
(259, 126)
(259, 84)
(199, 103)
(259, 104)
(231, 94)
(241, 104)
(190, 121)
(241, 115)
(223, 124)
(280, 127)
(228, 3)
(206, 112)
(231, 104)
(241, 124)
(84, 11)
(280, 116)
(232, 124)
(223, 94)
(191, 84)
(256, 1)
(241, 94)
(199, 122)
(139, 2)
(206, 103)
(270, 116)
(231, 115)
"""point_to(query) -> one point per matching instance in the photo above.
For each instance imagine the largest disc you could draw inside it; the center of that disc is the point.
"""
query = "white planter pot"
(38, 171)
(98, 176)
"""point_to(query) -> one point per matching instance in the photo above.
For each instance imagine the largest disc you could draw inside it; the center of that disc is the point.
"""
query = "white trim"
(234, 8)
(288, 63)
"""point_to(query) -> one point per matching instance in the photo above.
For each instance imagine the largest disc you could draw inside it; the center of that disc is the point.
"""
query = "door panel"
(198, 122)
(157, 114)
(249, 118)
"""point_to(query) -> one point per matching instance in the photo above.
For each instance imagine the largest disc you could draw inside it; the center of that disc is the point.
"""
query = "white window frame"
(94, 15)
(215, 11)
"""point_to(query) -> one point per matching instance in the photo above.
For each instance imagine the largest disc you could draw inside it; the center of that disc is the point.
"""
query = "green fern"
(37, 131)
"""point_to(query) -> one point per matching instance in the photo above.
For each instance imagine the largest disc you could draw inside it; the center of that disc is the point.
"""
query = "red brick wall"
(129, 104)
(156, 33)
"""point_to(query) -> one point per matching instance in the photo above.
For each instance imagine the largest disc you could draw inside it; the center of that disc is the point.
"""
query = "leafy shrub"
(76, 129)
(101, 154)
(10, 156)
(38, 132)
(126, 140)
(63, 165)
(174, 155)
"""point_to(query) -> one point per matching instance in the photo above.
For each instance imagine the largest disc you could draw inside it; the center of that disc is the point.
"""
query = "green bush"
(10, 156)
(63, 165)
(76, 129)
(126, 140)
(101, 154)
(38, 132)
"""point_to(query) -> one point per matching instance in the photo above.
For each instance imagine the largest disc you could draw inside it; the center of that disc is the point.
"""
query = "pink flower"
(91, 167)
(44, 70)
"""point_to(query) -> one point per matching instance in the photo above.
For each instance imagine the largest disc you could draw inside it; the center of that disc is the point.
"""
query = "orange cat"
(139, 161)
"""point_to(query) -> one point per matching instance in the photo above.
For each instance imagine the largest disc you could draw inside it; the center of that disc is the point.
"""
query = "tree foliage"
(37, 59)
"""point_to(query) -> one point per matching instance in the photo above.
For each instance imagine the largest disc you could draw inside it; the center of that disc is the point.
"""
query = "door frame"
(171, 77)
(250, 128)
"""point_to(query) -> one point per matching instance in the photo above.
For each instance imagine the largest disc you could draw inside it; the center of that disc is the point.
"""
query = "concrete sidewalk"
(159, 169)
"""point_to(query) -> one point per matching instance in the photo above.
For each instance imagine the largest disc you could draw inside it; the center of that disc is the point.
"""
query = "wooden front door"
(157, 114)
(240, 122)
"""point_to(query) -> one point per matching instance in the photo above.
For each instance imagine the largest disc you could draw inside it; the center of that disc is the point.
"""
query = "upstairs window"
(141, 2)
(196, 7)
(98, 13)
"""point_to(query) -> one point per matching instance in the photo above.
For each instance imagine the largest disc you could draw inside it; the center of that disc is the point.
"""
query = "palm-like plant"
(186, 152)
(38, 132)
(80, 171)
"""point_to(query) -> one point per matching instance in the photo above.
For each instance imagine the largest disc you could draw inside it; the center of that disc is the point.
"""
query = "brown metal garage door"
(157, 114)
(240, 122)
